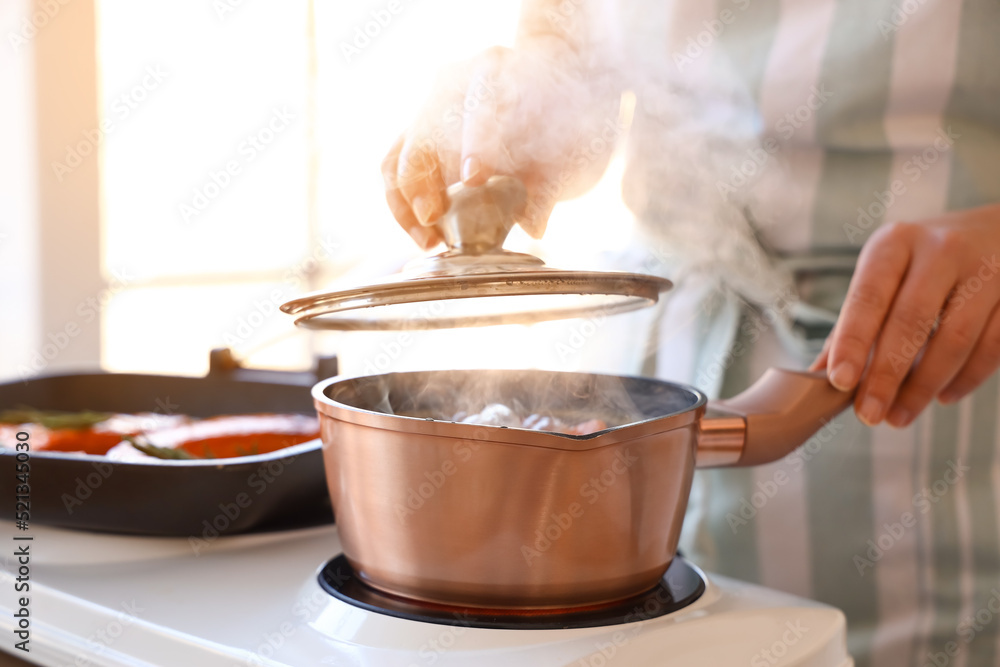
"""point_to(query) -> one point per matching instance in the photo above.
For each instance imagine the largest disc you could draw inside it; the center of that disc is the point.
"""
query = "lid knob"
(480, 217)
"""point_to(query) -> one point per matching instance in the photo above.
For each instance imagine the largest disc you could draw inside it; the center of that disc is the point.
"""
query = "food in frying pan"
(497, 414)
(220, 437)
(86, 432)
(137, 437)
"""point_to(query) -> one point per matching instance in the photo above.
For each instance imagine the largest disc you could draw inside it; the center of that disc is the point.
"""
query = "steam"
(558, 113)
(540, 400)
(684, 147)
(687, 135)
(557, 105)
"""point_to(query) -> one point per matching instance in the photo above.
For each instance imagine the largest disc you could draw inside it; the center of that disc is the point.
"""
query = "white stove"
(256, 600)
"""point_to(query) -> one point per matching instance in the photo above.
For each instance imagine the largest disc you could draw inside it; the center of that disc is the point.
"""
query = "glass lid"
(475, 282)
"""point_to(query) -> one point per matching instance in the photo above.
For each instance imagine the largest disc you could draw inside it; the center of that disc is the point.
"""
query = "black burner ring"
(680, 586)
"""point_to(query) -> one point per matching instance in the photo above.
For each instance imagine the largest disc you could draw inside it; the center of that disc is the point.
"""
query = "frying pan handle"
(479, 217)
(766, 422)
(223, 363)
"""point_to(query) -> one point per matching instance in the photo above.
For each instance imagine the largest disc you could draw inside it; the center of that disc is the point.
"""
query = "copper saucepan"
(499, 517)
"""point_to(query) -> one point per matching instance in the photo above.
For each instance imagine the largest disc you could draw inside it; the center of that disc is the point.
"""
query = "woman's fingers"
(538, 208)
(426, 237)
(419, 178)
(946, 353)
(921, 318)
(911, 318)
(881, 267)
(980, 365)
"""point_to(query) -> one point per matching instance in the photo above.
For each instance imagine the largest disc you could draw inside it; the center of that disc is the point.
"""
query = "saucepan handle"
(770, 419)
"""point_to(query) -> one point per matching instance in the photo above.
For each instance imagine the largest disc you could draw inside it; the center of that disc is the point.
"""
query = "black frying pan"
(199, 499)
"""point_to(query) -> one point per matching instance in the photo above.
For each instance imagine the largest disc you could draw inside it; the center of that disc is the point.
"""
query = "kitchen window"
(235, 156)
(249, 174)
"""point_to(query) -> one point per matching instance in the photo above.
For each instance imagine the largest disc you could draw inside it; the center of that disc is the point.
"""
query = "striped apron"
(859, 112)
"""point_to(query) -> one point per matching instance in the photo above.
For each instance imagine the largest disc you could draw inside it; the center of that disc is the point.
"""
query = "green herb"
(252, 451)
(53, 419)
(157, 452)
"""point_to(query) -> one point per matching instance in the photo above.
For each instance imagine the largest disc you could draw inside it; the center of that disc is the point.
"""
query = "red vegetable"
(238, 435)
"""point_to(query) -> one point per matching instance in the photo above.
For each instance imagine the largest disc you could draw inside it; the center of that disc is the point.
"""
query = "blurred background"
(170, 173)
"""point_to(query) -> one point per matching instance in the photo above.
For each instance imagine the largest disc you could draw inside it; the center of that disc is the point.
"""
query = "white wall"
(19, 271)
(50, 222)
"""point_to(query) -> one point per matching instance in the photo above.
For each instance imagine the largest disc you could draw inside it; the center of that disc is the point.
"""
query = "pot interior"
(570, 397)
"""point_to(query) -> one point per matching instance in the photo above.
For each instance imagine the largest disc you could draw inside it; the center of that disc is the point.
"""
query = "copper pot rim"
(328, 407)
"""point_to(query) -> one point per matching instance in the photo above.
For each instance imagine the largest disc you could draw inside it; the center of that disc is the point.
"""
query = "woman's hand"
(921, 318)
(528, 112)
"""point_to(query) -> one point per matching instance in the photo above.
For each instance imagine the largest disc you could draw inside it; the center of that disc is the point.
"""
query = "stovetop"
(681, 585)
(257, 600)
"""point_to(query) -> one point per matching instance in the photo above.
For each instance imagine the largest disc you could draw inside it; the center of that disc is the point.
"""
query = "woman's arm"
(524, 111)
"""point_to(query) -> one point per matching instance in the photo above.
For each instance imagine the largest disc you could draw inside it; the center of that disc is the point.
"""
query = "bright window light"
(225, 193)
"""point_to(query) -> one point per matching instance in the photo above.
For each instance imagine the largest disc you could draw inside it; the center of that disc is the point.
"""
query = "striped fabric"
(881, 110)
